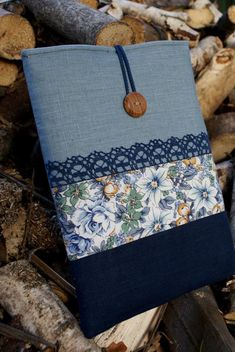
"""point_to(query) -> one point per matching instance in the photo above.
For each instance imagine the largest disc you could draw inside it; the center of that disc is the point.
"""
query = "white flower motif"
(156, 221)
(94, 218)
(203, 194)
(153, 183)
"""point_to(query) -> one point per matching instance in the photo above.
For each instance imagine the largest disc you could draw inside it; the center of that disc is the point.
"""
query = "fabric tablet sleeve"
(138, 199)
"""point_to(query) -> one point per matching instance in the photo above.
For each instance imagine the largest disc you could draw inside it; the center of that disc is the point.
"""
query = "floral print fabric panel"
(110, 211)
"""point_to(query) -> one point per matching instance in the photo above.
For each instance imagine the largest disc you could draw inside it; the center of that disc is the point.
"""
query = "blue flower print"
(153, 183)
(156, 221)
(94, 218)
(203, 195)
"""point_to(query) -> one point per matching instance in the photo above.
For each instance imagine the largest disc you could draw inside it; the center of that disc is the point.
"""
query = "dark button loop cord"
(134, 103)
(126, 70)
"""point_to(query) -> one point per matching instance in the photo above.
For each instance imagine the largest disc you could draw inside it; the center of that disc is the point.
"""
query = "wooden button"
(135, 104)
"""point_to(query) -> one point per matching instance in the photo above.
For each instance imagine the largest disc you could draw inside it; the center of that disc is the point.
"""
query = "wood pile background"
(27, 214)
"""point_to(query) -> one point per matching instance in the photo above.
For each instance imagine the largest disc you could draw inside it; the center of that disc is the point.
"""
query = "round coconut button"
(135, 104)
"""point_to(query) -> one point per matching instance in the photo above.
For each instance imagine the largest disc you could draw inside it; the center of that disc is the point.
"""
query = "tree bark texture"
(216, 81)
(79, 23)
(221, 129)
(24, 293)
(173, 22)
(166, 3)
(200, 4)
(194, 323)
(203, 53)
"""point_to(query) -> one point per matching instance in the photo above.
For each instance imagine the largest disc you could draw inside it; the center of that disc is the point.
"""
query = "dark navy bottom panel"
(117, 284)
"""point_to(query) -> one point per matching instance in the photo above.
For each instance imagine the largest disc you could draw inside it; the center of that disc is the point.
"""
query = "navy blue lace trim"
(138, 156)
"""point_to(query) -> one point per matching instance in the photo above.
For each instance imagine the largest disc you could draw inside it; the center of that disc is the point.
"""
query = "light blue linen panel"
(77, 96)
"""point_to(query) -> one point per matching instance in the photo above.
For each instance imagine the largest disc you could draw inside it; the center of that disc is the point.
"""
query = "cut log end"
(137, 26)
(115, 33)
(200, 18)
(16, 34)
(231, 13)
(225, 56)
(8, 73)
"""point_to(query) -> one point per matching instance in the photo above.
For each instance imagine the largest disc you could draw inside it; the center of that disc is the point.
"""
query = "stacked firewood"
(28, 220)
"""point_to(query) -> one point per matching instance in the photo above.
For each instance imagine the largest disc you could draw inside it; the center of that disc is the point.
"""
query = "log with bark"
(230, 41)
(201, 4)
(79, 23)
(194, 323)
(225, 25)
(24, 293)
(166, 3)
(16, 34)
(15, 6)
(133, 332)
(203, 53)
(200, 18)
(173, 22)
(221, 129)
(195, 18)
(216, 81)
